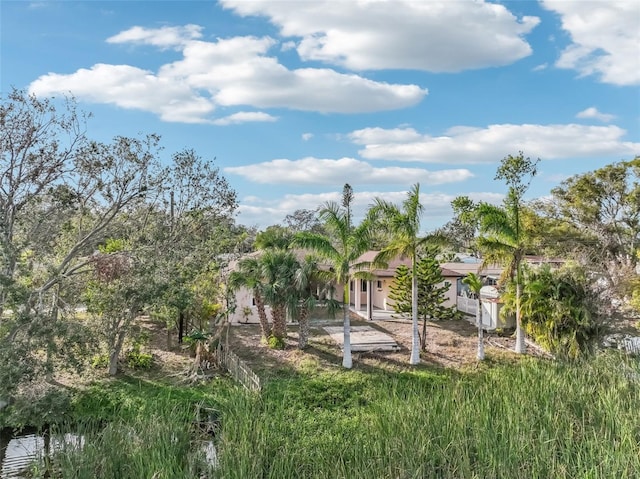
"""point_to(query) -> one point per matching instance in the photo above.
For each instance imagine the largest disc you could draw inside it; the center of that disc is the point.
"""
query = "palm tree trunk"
(303, 323)
(480, 354)
(262, 315)
(346, 355)
(279, 329)
(521, 347)
(415, 340)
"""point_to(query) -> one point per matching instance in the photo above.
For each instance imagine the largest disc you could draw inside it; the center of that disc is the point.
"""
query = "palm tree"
(403, 226)
(475, 285)
(503, 241)
(249, 275)
(341, 249)
(278, 271)
(306, 301)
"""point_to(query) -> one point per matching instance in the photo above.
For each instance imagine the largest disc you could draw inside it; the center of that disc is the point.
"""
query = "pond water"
(19, 452)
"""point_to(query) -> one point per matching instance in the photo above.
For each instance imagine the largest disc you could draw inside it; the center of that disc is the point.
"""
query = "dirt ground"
(450, 344)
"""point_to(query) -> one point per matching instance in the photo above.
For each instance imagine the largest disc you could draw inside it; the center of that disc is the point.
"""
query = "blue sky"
(296, 98)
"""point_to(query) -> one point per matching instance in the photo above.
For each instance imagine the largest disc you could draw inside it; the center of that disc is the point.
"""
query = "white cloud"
(230, 72)
(314, 171)
(244, 117)
(462, 145)
(437, 36)
(592, 112)
(381, 135)
(263, 212)
(538, 68)
(307, 136)
(164, 37)
(605, 38)
(129, 87)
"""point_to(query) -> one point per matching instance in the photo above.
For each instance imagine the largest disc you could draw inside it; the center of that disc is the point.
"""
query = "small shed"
(491, 305)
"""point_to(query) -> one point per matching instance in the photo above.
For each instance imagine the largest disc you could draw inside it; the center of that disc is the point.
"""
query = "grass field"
(528, 419)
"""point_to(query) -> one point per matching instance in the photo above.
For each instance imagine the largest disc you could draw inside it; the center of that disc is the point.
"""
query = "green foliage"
(597, 219)
(400, 290)
(36, 404)
(100, 361)
(431, 290)
(350, 424)
(275, 342)
(557, 310)
(112, 245)
(136, 359)
(460, 231)
(375, 424)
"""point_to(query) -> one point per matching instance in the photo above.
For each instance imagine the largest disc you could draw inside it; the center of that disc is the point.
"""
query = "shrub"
(276, 343)
(139, 360)
(100, 361)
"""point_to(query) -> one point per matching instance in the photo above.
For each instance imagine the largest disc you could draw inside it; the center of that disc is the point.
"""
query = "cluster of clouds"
(359, 36)
(245, 75)
(438, 205)
(604, 39)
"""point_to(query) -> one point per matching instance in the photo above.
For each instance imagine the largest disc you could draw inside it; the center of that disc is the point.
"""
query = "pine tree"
(431, 293)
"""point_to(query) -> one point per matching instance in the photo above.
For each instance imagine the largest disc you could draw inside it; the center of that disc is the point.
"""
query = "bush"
(100, 361)
(136, 359)
(276, 343)
(557, 310)
(37, 404)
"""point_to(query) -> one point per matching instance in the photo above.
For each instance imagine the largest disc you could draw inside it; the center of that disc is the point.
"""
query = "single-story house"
(369, 297)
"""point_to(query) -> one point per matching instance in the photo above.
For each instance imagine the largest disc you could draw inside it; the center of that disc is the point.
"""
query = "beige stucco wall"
(244, 298)
(452, 292)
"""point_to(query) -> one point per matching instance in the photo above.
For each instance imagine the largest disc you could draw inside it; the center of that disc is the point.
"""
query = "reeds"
(531, 419)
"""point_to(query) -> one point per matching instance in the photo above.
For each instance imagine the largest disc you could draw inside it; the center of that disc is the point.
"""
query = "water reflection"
(19, 452)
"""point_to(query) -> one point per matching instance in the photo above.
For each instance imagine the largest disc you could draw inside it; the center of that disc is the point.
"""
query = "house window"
(363, 286)
(379, 285)
(447, 284)
(350, 285)
(253, 301)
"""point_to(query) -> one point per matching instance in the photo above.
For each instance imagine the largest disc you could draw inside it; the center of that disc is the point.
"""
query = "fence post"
(238, 369)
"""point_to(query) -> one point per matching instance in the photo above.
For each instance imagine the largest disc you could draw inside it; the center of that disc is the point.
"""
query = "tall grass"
(532, 419)
(138, 429)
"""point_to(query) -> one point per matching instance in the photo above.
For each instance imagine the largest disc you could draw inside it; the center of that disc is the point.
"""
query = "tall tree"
(304, 220)
(503, 239)
(597, 215)
(340, 247)
(431, 292)
(195, 209)
(403, 226)
(461, 231)
(475, 285)
(39, 145)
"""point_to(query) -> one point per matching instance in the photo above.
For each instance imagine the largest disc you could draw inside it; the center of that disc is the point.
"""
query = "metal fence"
(238, 369)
